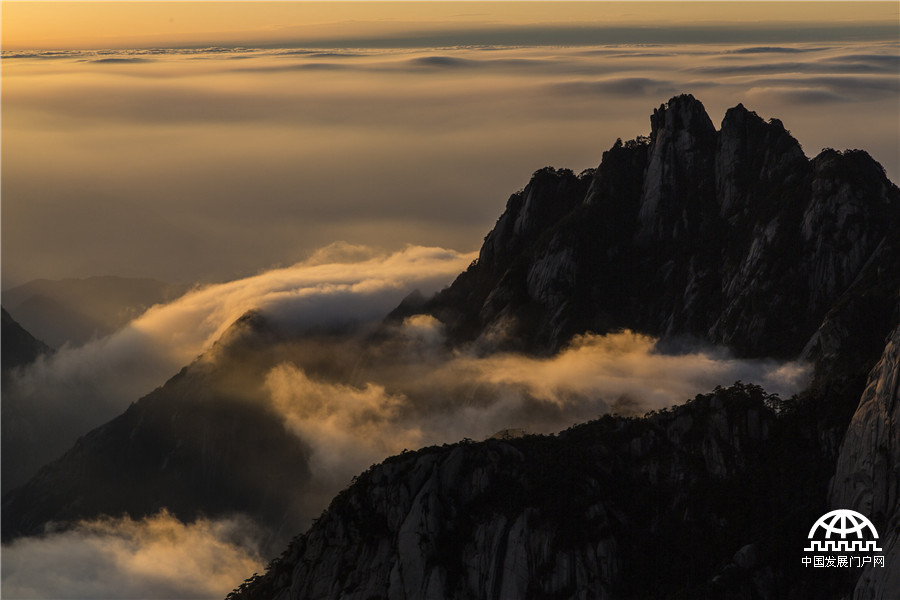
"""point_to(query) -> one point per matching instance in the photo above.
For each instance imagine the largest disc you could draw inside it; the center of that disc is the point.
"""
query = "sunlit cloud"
(410, 390)
(347, 427)
(156, 557)
(799, 67)
(628, 364)
(854, 88)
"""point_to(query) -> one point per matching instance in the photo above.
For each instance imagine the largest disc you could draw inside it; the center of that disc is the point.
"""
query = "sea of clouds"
(403, 388)
(205, 164)
(171, 163)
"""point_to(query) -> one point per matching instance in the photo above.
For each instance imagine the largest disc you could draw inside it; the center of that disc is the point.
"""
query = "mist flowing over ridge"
(50, 402)
(710, 255)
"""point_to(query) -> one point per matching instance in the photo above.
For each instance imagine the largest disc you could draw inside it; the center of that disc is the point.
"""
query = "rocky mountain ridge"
(677, 504)
(711, 499)
(867, 477)
(730, 237)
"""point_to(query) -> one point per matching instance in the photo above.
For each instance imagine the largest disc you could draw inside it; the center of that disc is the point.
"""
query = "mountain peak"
(676, 181)
(682, 112)
(683, 236)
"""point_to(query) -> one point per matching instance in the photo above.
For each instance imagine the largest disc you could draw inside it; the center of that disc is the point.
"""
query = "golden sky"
(68, 25)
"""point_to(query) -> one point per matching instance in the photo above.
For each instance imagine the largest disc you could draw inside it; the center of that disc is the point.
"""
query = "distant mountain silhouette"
(75, 310)
(203, 444)
(19, 348)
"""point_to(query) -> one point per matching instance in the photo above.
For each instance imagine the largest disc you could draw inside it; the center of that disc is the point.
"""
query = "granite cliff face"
(868, 468)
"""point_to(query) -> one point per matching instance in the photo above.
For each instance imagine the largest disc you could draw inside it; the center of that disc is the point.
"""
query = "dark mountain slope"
(19, 348)
(205, 443)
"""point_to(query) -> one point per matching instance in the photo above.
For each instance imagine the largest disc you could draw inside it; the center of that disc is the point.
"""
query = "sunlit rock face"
(610, 509)
(868, 470)
(678, 182)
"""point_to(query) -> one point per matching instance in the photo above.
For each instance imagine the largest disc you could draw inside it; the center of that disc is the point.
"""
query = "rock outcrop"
(867, 479)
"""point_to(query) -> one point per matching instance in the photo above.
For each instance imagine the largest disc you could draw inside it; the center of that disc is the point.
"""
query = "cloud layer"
(170, 163)
(157, 557)
(354, 394)
(409, 390)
